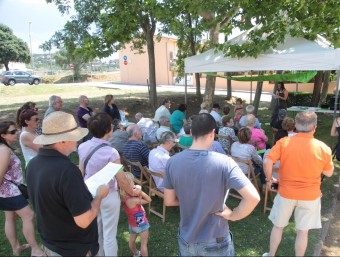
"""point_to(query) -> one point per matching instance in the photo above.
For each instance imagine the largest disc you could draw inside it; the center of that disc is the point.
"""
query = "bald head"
(134, 132)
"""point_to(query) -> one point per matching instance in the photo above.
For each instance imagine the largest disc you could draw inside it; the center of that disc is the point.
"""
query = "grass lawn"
(251, 235)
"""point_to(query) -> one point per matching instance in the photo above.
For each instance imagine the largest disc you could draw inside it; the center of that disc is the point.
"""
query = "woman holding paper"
(281, 96)
(94, 155)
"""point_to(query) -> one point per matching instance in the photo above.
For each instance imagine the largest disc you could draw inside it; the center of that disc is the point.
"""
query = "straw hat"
(60, 126)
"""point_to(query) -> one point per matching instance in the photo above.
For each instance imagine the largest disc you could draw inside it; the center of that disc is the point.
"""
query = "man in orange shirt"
(303, 159)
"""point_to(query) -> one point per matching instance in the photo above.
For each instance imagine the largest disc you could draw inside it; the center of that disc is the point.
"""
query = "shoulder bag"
(22, 188)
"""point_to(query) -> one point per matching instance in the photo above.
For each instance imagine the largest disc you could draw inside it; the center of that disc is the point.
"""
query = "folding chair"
(250, 173)
(270, 193)
(128, 166)
(154, 191)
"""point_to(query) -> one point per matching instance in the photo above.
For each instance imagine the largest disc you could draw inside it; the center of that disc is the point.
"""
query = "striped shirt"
(136, 151)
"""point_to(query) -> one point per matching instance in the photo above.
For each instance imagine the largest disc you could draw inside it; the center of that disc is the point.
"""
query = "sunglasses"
(12, 132)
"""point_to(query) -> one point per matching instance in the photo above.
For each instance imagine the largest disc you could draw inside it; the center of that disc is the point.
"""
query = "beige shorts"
(307, 214)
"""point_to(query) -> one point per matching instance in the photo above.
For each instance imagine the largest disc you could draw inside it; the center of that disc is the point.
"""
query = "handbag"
(22, 188)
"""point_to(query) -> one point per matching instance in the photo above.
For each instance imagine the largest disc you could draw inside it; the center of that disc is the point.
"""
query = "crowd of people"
(197, 179)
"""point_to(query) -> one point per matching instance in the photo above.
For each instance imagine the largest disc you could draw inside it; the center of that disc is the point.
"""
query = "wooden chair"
(251, 174)
(269, 193)
(128, 167)
(154, 191)
(228, 138)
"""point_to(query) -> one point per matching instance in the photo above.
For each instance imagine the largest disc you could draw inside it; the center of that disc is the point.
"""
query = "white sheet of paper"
(274, 95)
(103, 176)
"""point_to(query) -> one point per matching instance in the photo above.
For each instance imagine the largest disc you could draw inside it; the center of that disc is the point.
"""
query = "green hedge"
(303, 99)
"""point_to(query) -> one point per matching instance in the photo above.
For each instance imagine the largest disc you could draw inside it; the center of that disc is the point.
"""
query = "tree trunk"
(152, 71)
(210, 89)
(325, 86)
(317, 89)
(198, 86)
(210, 83)
(258, 93)
(229, 92)
(6, 65)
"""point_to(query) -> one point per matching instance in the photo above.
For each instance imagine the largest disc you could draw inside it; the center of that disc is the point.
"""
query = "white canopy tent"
(296, 53)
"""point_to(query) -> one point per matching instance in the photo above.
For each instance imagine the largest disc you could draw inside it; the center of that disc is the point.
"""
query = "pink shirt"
(258, 136)
(136, 215)
(14, 173)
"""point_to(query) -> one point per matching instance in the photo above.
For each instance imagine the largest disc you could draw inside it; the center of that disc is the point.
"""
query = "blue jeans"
(216, 247)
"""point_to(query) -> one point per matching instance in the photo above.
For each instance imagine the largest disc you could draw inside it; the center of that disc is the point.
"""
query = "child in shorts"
(138, 223)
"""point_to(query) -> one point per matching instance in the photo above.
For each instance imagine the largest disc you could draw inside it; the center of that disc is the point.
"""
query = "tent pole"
(185, 84)
(336, 92)
(251, 87)
(297, 87)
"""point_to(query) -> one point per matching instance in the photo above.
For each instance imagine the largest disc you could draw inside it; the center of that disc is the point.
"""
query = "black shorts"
(13, 203)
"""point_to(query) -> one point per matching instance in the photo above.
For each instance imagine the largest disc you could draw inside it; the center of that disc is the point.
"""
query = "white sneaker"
(138, 254)
(265, 254)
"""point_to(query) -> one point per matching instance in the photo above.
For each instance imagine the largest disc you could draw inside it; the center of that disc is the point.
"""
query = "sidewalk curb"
(325, 227)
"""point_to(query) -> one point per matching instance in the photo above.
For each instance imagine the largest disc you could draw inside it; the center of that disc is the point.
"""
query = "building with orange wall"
(134, 69)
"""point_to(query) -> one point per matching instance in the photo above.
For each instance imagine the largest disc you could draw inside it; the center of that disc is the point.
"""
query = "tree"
(106, 26)
(12, 48)
(273, 20)
(47, 46)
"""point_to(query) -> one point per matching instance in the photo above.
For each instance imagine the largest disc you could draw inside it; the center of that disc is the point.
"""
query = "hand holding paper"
(103, 176)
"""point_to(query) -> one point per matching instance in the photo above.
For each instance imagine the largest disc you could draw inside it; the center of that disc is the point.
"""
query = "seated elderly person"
(227, 130)
(135, 150)
(163, 110)
(250, 109)
(55, 103)
(164, 122)
(119, 135)
(258, 137)
(244, 150)
(148, 127)
(159, 156)
(288, 124)
(186, 138)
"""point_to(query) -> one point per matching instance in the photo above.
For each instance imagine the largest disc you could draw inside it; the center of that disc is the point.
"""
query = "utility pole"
(29, 33)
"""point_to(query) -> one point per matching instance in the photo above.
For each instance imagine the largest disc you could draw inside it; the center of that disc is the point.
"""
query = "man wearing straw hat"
(66, 212)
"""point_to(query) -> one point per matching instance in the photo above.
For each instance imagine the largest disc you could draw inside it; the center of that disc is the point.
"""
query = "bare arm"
(334, 132)
(268, 168)
(328, 173)
(4, 161)
(142, 199)
(85, 219)
(170, 198)
(27, 140)
(125, 185)
(250, 198)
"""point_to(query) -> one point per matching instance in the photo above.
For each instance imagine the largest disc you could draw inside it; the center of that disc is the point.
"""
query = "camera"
(274, 186)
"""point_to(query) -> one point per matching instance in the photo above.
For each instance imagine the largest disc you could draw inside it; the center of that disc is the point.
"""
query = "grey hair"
(163, 119)
(52, 99)
(81, 98)
(250, 120)
(131, 130)
(138, 116)
(167, 136)
(250, 108)
(305, 121)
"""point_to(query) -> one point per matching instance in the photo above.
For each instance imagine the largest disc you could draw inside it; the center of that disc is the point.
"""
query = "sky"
(45, 20)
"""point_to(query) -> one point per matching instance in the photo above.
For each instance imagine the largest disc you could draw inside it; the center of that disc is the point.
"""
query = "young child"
(238, 112)
(138, 223)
